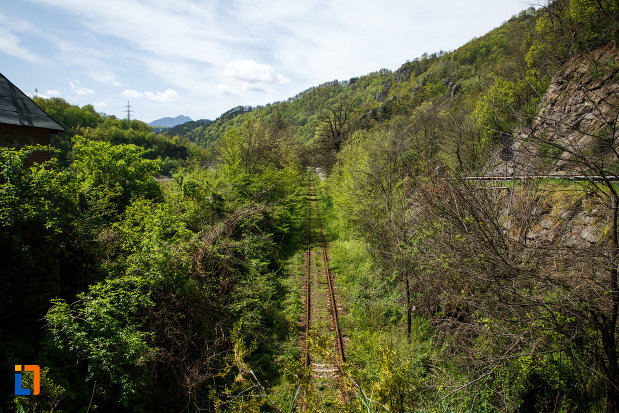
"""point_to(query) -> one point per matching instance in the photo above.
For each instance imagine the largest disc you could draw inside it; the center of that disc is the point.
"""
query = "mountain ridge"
(169, 122)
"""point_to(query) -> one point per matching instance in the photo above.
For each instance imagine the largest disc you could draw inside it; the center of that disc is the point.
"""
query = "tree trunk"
(460, 163)
(609, 339)
(612, 371)
(409, 310)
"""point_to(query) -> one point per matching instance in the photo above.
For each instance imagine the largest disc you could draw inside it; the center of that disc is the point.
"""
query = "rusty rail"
(308, 270)
(336, 324)
(313, 204)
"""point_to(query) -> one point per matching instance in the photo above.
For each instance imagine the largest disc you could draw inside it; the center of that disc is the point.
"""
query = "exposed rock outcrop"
(382, 95)
(579, 111)
(452, 86)
(403, 73)
(555, 216)
(581, 102)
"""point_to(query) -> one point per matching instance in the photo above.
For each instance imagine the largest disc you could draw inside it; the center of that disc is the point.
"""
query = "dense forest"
(470, 204)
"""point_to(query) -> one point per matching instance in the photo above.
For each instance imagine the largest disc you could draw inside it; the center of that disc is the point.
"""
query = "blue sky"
(202, 57)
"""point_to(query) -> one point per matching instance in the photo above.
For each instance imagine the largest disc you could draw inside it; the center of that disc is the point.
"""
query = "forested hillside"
(441, 88)
(468, 219)
(86, 122)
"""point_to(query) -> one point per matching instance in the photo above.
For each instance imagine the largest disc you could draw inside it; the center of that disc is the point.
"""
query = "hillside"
(464, 97)
(204, 131)
(442, 80)
(86, 122)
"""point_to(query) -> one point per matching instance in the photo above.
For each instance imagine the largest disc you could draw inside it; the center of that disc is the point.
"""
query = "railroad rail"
(307, 277)
(336, 327)
(316, 366)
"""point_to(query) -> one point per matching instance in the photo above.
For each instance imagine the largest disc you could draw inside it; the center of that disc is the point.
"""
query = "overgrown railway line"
(323, 345)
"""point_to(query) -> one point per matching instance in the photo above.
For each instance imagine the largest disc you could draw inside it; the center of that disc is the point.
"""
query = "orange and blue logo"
(36, 381)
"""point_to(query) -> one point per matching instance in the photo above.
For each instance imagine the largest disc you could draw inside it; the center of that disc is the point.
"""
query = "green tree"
(255, 146)
(567, 27)
(112, 176)
(332, 132)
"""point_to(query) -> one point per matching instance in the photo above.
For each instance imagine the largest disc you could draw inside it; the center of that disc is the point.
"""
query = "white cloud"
(78, 89)
(101, 104)
(220, 54)
(105, 77)
(53, 92)
(248, 76)
(227, 90)
(10, 44)
(252, 72)
(168, 95)
(181, 29)
(132, 94)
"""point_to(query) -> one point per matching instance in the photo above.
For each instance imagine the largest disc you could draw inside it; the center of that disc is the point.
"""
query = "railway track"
(323, 346)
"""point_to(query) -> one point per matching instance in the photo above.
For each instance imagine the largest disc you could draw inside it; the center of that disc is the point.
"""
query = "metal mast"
(128, 112)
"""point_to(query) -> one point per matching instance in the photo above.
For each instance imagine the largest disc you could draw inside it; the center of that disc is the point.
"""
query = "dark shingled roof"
(18, 109)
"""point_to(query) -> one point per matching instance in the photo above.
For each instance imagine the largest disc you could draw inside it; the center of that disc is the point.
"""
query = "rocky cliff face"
(558, 215)
(576, 132)
(580, 109)
(577, 118)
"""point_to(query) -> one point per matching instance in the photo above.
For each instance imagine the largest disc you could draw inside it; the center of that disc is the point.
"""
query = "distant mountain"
(170, 122)
(204, 131)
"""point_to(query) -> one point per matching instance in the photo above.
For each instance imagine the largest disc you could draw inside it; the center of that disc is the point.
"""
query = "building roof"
(18, 109)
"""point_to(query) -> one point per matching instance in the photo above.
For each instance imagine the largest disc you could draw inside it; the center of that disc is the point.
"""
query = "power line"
(583, 178)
